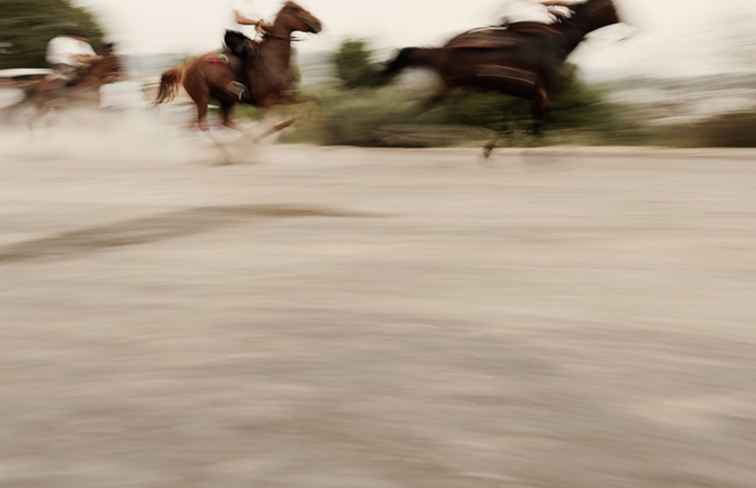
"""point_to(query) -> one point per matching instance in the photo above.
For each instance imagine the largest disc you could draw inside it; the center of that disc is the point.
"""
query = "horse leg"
(306, 99)
(39, 112)
(201, 101)
(539, 105)
(9, 113)
(200, 95)
(202, 124)
(227, 109)
(488, 149)
(202, 106)
(431, 102)
(539, 102)
(491, 145)
(276, 129)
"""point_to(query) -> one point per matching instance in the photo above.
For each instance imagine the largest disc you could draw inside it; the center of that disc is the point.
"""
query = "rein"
(282, 38)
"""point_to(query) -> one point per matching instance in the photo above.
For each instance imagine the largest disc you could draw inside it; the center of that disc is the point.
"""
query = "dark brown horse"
(522, 59)
(54, 92)
(265, 68)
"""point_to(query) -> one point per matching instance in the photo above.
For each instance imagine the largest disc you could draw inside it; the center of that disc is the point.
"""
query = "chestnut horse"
(522, 60)
(55, 92)
(265, 68)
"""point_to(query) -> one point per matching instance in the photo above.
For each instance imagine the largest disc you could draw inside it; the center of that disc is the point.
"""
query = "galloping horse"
(55, 92)
(522, 59)
(267, 67)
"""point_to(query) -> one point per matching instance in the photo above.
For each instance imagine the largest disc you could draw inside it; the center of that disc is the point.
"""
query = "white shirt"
(246, 9)
(63, 50)
(534, 11)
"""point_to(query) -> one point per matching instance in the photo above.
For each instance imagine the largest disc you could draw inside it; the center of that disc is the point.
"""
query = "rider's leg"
(236, 89)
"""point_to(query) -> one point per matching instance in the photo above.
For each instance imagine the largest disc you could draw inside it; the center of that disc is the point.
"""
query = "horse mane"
(513, 27)
(562, 3)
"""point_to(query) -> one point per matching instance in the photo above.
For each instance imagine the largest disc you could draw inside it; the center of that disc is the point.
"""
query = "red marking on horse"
(217, 59)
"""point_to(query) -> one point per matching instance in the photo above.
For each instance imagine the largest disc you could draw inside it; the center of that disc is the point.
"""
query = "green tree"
(354, 66)
(26, 26)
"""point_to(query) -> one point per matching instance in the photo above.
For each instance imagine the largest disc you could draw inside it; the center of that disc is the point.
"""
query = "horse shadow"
(171, 225)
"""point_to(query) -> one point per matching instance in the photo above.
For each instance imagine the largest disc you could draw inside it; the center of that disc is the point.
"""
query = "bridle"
(288, 38)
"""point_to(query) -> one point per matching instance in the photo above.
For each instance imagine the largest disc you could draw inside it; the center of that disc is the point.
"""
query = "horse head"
(107, 68)
(592, 15)
(295, 18)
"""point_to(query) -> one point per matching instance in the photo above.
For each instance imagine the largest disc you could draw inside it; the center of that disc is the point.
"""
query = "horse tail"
(169, 85)
(413, 57)
(398, 63)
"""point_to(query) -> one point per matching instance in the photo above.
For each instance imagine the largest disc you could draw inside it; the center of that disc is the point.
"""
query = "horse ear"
(236, 42)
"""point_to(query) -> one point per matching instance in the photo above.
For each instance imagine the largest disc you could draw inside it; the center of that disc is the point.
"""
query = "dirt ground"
(379, 318)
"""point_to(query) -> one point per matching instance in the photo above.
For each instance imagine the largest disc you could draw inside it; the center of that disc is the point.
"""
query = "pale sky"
(676, 37)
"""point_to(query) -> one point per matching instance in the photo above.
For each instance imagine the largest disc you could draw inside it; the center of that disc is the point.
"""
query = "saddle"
(501, 37)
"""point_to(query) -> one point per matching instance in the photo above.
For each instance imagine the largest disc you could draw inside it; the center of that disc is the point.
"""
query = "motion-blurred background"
(576, 311)
(678, 73)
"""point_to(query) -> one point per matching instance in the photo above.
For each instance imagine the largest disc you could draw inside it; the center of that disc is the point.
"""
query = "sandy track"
(340, 317)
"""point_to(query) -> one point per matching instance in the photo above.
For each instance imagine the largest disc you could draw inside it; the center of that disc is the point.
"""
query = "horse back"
(513, 36)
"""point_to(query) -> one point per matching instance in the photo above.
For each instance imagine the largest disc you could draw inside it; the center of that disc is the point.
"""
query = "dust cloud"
(157, 135)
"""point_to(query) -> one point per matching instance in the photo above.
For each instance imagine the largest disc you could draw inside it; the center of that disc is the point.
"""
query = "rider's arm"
(85, 58)
(84, 53)
(242, 20)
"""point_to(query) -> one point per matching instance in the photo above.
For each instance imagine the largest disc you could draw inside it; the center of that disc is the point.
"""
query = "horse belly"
(509, 80)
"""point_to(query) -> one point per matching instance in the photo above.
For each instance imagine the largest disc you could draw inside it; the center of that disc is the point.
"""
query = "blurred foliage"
(353, 65)
(296, 72)
(26, 26)
(736, 129)
(362, 112)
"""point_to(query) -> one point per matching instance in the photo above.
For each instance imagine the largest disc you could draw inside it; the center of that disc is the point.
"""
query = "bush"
(363, 112)
(728, 130)
(353, 65)
(26, 26)
(387, 117)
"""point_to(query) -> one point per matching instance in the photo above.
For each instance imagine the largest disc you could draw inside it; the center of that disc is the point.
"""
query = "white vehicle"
(20, 73)
(12, 82)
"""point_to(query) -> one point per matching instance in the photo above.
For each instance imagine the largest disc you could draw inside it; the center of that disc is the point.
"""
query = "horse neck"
(587, 17)
(571, 36)
(93, 75)
(279, 42)
(99, 71)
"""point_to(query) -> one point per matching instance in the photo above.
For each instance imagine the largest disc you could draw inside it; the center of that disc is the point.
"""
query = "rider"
(242, 17)
(69, 54)
(545, 11)
(559, 10)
